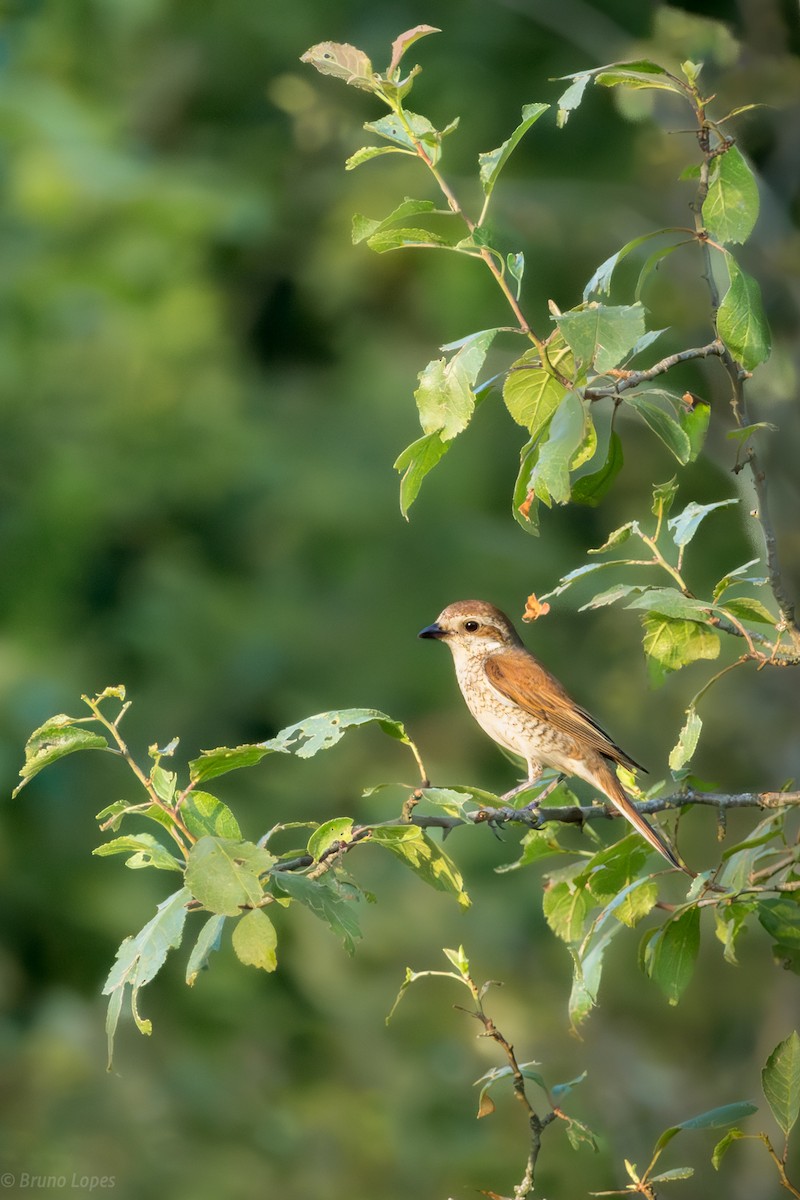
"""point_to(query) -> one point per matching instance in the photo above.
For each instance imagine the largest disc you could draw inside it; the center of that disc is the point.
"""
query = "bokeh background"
(204, 386)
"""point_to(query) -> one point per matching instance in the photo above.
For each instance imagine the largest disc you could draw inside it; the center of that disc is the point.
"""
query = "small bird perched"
(526, 710)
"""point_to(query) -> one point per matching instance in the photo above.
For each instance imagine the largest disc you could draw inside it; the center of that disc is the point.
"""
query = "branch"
(737, 376)
(632, 379)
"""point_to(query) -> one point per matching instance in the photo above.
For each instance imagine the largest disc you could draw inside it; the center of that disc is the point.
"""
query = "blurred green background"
(203, 388)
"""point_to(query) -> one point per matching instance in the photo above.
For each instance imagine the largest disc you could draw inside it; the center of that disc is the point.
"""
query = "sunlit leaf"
(531, 393)
(402, 42)
(424, 857)
(492, 162)
(59, 736)
(145, 851)
(140, 958)
(255, 940)
(414, 464)
(601, 334)
(685, 525)
(683, 750)
(343, 62)
(781, 1082)
(204, 814)
(307, 737)
(445, 394)
(336, 830)
(671, 644)
(223, 874)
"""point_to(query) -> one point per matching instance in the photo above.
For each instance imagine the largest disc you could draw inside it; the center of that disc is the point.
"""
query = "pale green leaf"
(343, 61)
(683, 750)
(414, 464)
(602, 335)
(549, 479)
(685, 525)
(402, 42)
(367, 152)
(445, 394)
(671, 644)
(145, 851)
(223, 874)
(424, 857)
(224, 759)
(492, 162)
(208, 941)
(566, 905)
(339, 829)
(531, 393)
(747, 608)
(307, 737)
(204, 814)
(653, 407)
(59, 736)
(255, 940)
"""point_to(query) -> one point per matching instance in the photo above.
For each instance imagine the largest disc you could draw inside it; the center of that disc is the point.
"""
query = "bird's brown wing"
(518, 675)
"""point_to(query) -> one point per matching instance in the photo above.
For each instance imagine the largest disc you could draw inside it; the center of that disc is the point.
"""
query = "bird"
(526, 710)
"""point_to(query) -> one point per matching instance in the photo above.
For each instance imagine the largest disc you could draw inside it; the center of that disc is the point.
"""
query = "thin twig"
(632, 379)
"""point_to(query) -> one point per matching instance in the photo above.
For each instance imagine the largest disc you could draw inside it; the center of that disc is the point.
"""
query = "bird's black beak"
(432, 631)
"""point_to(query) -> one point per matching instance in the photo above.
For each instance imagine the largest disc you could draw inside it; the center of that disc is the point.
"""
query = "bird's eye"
(471, 626)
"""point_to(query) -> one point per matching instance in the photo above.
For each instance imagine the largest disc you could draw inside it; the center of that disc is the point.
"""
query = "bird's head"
(473, 627)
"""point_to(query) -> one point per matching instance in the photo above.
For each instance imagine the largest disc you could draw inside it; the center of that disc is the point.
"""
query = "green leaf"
(343, 61)
(602, 335)
(140, 958)
(683, 750)
(404, 239)
(671, 644)
(586, 976)
(616, 538)
(365, 227)
(204, 814)
(663, 496)
(339, 829)
(255, 940)
(675, 1173)
(744, 432)
(641, 74)
(719, 1150)
(492, 162)
(145, 851)
(524, 505)
(669, 602)
(306, 738)
(516, 268)
(59, 736)
(746, 608)
(207, 942)
(424, 857)
(414, 464)
(367, 152)
(530, 392)
(223, 759)
(566, 905)
(601, 280)
(579, 1135)
(411, 130)
(686, 524)
(730, 922)
(536, 845)
(730, 209)
(611, 595)
(613, 867)
(549, 479)
(663, 423)
(569, 100)
(223, 873)
(671, 952)
(739, 575)
(715, 1118)
(163, 783)
(445, 395)
(591, 488)
(781, 919)
(328, 899)
(741, 322)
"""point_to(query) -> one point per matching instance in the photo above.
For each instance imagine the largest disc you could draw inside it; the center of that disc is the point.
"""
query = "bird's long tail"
(610, 785)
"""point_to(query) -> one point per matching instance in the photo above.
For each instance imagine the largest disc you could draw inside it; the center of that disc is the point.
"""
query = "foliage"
(578, 391)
